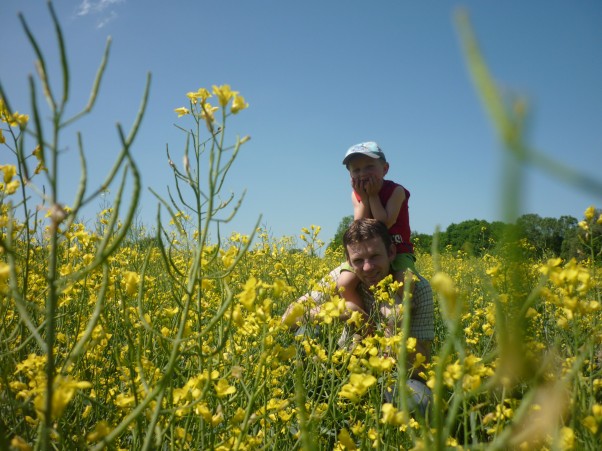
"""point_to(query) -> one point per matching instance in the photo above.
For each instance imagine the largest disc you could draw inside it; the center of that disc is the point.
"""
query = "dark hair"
(365, 229)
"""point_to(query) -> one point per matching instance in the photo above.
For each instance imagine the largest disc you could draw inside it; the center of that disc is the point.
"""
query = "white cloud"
(95, 6)
(106, 19)
(85, 8)
(98, 7)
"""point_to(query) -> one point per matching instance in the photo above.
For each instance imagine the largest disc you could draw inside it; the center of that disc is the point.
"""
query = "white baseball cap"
(369, 148)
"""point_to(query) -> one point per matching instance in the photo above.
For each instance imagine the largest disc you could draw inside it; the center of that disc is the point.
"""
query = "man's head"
(369, 250)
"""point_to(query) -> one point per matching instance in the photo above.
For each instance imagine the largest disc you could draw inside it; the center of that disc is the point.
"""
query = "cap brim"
(376, 156)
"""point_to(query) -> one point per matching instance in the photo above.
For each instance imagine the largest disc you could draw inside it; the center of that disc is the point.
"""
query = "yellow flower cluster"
(15, 119)
(35, 389)
(202, 108)
(8, 185)
(357, 386)
(571, 288)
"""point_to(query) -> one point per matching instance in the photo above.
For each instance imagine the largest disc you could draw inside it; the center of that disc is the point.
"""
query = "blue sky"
(320, 76)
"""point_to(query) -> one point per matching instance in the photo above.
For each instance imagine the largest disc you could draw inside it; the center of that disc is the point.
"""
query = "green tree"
(546, 235)
(337, 240)
(474, 236)
(423, 242)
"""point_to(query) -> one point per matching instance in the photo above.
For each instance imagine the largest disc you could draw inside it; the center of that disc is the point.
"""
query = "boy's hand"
(373, 185)
(366, 187)
(358, 186)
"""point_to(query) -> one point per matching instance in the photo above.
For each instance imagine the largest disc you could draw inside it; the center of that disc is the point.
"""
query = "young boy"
(386, 201)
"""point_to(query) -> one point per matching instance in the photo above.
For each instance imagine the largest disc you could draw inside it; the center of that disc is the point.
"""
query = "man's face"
(370, 260)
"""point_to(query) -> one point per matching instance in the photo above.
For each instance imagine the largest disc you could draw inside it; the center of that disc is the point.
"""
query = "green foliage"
(337, 241)
(423, 242)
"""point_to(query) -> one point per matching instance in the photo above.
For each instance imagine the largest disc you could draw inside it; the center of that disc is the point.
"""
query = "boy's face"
(362, 168)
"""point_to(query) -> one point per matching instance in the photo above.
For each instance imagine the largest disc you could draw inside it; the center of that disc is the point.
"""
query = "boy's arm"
(360, 209)
(387, 213)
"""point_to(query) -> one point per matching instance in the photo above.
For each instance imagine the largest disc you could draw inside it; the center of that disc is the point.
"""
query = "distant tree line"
(541, 237)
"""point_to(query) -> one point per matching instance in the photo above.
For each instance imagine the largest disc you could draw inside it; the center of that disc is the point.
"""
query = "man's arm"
(297, 313)
(300, 311)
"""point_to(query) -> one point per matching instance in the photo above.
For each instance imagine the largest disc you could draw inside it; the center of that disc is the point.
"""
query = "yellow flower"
(222, 388)
(419, 360)
(132, 280)
(393, 416)
(531, 313)
(277, 404)
(590, 423)
(20, 444)
(238, 416)
(332, 309)
(9, 171)
(411, 344)
(64, 391)
(208, 111)
(452, 373)
(224, 93)
(279, 287)
(101, 430)
(247, 296)
(345, 440)
(203, 410)
(4, 273)
(238, 104)
(445, 287)
(358, 386)
(122, 401)
(2, 138)
(229, 256)
(589, 213)
(294, 315)
(11, 187)
(21, 119)
(381, 364)
(567, 438)
(15, 119)
(182, 111)
(358, 428)
(202, 94)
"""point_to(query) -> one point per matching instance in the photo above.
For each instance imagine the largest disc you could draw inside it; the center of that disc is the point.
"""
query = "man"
(370, 251)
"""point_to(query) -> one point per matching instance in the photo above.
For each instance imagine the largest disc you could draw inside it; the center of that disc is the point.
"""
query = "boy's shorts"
(400, 263)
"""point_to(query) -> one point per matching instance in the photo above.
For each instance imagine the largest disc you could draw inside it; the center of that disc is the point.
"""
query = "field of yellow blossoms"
(140, 360)
(115, 337)
(240, 380)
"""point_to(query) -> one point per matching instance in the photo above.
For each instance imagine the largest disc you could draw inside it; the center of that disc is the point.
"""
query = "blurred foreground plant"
(22, 235)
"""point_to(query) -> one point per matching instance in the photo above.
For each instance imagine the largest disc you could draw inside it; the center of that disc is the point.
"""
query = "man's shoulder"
(334, 275)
